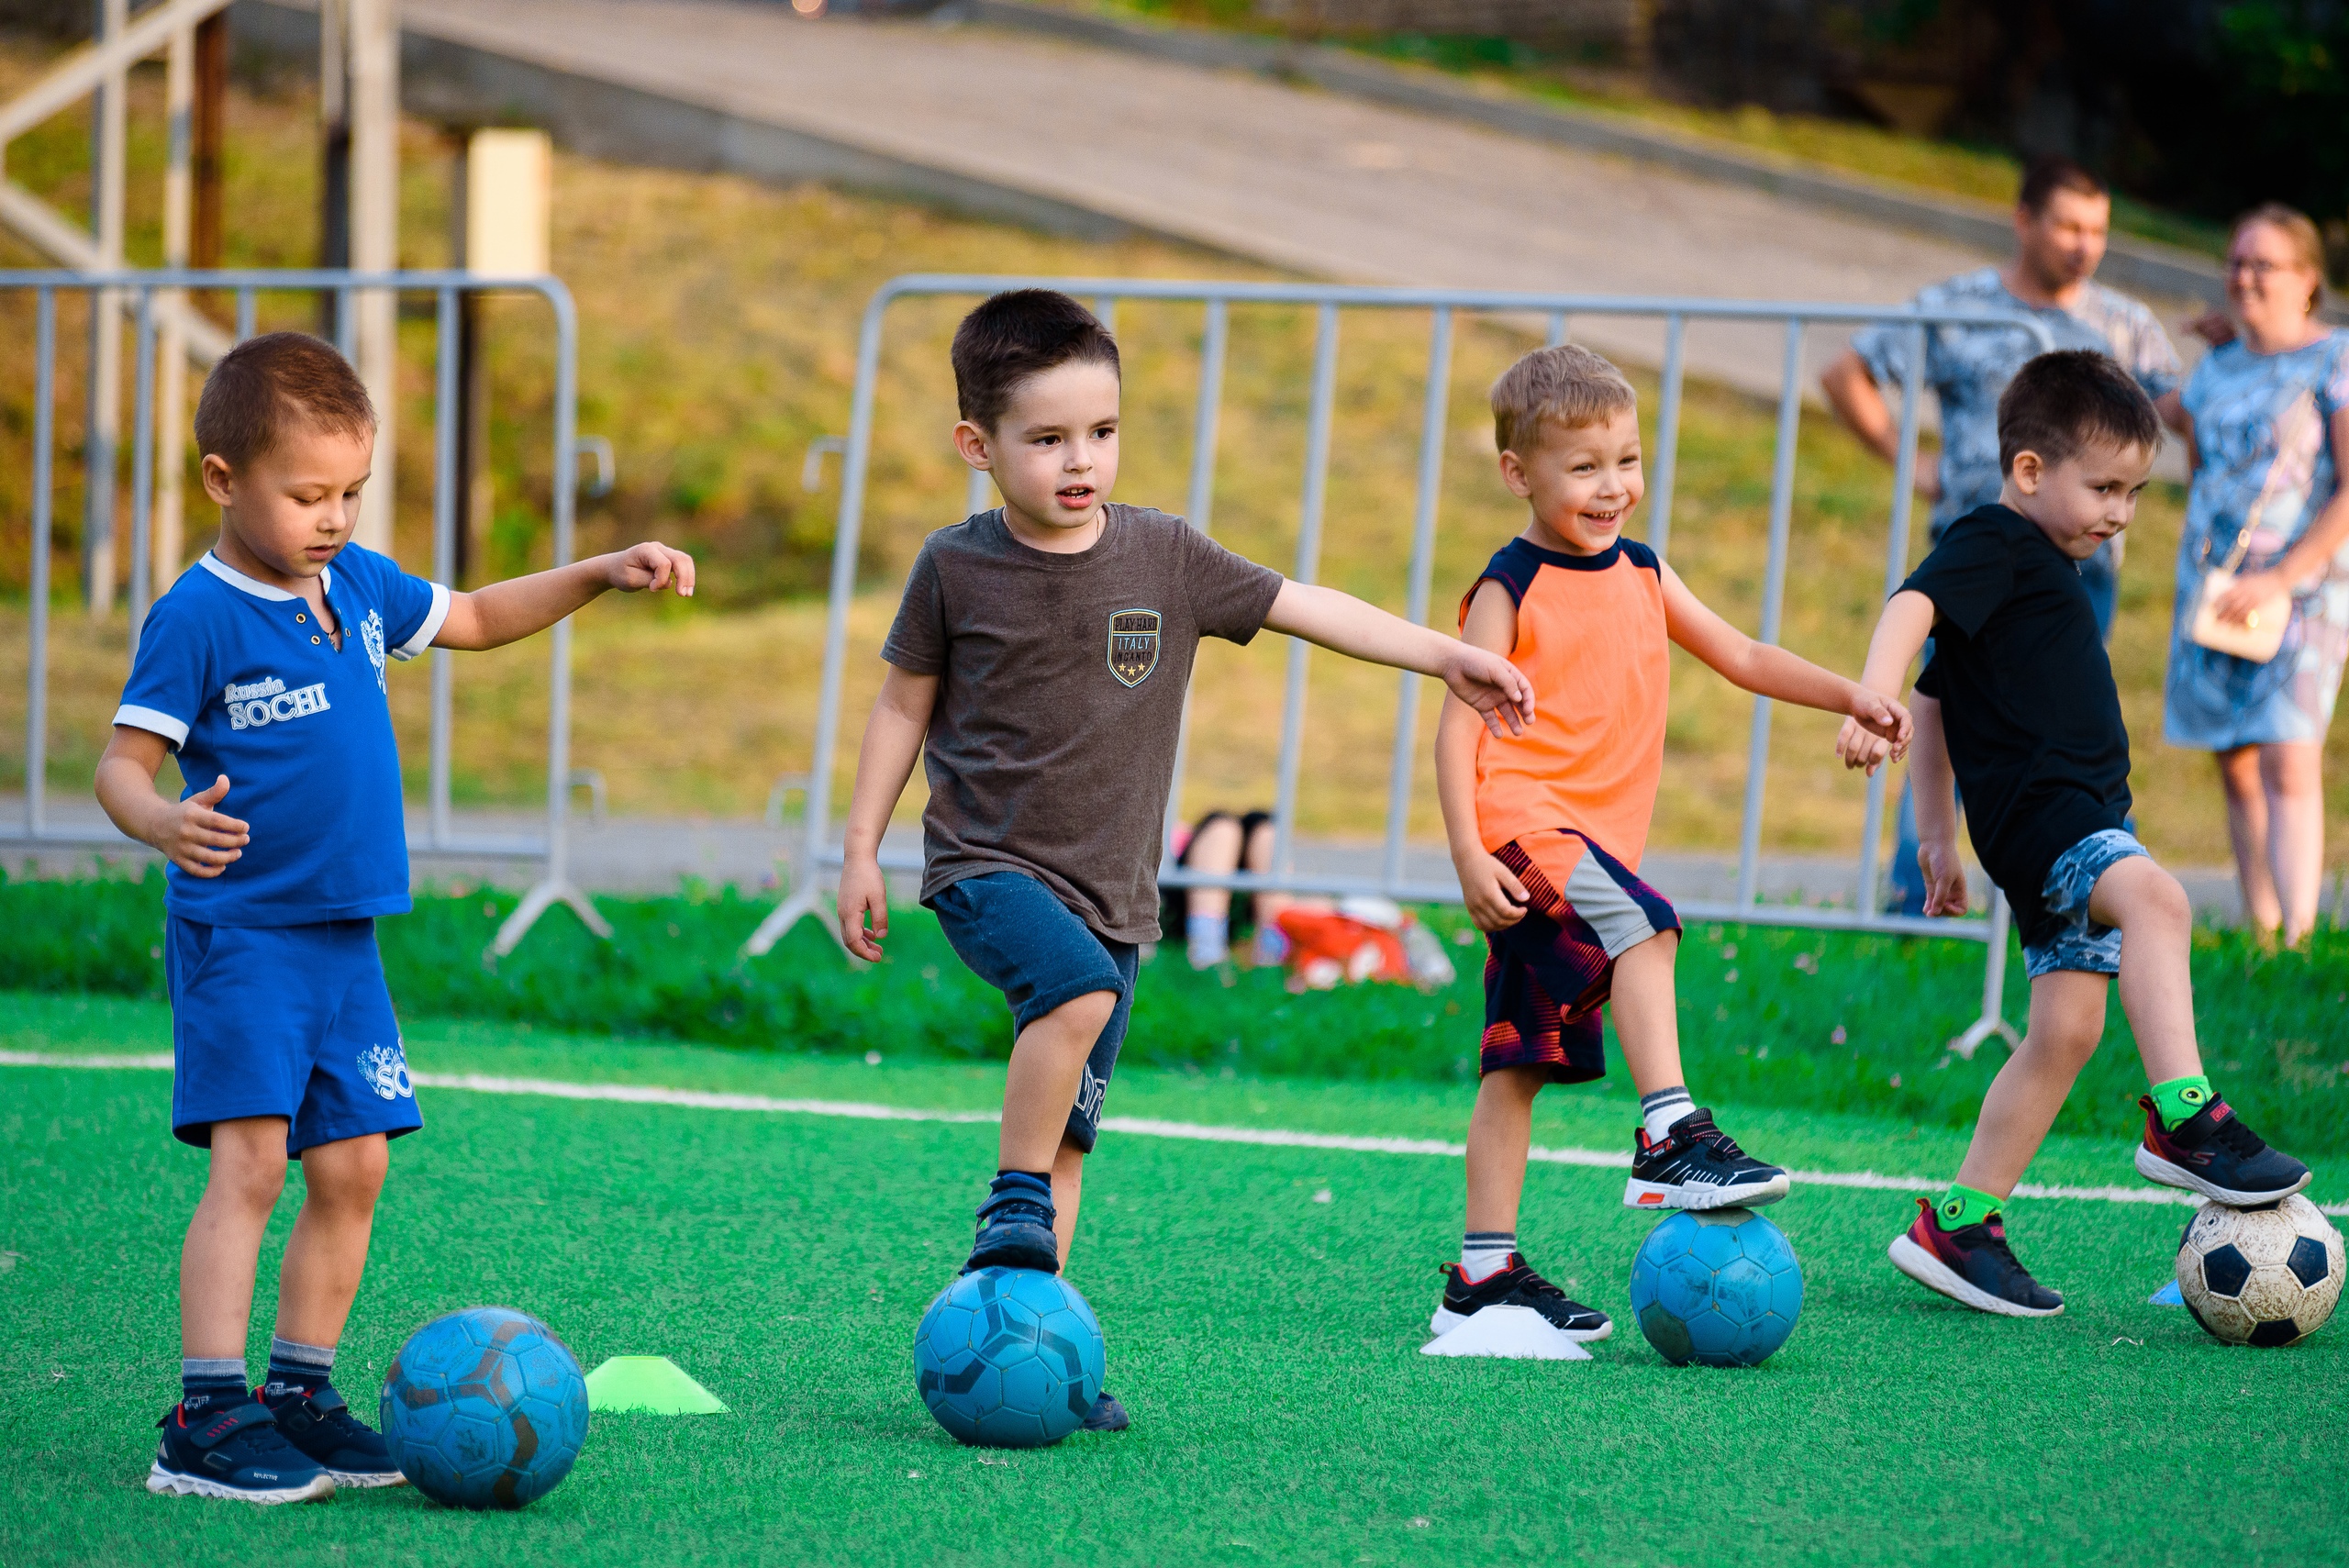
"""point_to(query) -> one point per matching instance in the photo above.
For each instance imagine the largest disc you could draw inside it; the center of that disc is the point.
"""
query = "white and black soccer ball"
(2260, 1276)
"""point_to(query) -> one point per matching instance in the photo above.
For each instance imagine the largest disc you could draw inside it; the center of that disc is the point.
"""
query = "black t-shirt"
(2027, 701)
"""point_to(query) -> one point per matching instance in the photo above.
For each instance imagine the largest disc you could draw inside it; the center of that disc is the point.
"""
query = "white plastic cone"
(1518, 1333)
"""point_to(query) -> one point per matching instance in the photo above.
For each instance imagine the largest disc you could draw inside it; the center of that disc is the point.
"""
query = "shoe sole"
(1935, 1276)
(1445, 1320)
(363, 1479)
(1638, 1194)
(161, 1482)
(2154, 1168)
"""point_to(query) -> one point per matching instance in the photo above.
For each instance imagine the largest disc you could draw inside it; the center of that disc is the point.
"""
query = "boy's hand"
(1496, 899)
(1882, 717)
(1861, 747)
(863, 892)
(1495, 688)
(1944, 878)
(650, 565)
(198, 839)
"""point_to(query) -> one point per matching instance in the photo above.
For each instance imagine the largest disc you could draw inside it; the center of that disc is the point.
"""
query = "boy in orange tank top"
(1547, 827)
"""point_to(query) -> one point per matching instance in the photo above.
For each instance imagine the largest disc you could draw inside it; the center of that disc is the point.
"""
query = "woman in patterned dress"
(2269, 428)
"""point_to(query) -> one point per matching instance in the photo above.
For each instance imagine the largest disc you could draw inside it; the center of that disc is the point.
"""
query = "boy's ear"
(2027, 472)
(975, 445)
(218, 479)
(1513, 474)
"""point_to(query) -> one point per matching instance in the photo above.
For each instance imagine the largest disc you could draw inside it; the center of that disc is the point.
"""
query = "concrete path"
(1328, 185)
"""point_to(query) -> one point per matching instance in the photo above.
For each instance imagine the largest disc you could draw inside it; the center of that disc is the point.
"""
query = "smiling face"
(1581, 481)
(2270, 284)
(287, 513)
(1054, 454)
(2084, 500)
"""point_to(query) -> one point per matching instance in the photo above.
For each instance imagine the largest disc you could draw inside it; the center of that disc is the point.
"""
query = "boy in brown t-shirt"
(1037, 667)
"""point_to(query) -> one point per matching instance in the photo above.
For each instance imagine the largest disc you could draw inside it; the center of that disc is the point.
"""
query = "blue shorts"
(1027, 944)
(284, 1021)
(2079, 943)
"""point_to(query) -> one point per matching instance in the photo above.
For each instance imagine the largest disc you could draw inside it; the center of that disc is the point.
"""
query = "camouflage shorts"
(2079, 943)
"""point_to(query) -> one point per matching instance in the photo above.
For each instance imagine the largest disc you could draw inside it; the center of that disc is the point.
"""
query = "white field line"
(1144, 1127)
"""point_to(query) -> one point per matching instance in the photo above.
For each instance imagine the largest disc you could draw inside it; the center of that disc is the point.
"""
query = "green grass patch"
(1265, 1343)
(1769, 1017)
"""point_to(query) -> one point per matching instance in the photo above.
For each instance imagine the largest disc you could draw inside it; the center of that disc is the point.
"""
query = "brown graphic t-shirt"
(1060, 680)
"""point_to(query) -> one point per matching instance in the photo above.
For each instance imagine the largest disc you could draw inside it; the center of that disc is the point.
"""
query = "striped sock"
(1660, 1110)
(211, 1380)
(297, 1368)
(1484, 1252)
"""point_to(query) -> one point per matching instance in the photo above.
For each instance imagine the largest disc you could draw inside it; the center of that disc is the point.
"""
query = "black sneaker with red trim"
(1971, 1265)
(236, 1452)
(1515, 1285)
(1698, 1166)
(2211, 1153)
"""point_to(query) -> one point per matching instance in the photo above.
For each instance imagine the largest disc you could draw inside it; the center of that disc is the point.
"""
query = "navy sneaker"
(1971, 1265)
(234, 1451)
(1515, 1285)
(2211, 1153)
(1016, 1227)
(1698, 1166)
(1107, 1415)
(319, 1423)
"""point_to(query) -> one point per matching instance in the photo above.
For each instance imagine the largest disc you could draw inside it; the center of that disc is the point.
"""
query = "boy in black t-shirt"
(2018, 705)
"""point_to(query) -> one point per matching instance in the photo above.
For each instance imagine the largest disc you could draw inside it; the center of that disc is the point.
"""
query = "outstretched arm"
(522, 606)
(1901, 633)
(1772, 672)
(892, 739)
(1484, 680)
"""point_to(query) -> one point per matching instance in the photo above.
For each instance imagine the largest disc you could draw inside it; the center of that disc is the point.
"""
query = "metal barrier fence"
(1444, 306)
(146, 294)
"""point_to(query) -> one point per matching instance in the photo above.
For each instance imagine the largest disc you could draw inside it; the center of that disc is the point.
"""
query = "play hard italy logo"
(1133, 645)
(386, 1069)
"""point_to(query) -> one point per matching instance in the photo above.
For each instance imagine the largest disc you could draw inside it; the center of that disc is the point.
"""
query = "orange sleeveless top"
(1590, 636)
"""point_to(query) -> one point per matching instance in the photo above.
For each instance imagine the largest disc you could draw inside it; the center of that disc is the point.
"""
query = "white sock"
(1484, 1252)
(1664, 1107)
(1209, 938)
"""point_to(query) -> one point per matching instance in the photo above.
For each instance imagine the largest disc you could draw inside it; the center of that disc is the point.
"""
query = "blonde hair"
(1567, 384)
(2298, 229)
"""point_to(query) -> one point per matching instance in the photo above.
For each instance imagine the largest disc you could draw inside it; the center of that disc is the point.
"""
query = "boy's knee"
(247, 1172)
(349, 1173)
(1089, 1012)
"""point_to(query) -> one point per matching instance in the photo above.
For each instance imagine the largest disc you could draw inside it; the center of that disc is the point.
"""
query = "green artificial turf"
(1774, 1016)
(1265, 1342)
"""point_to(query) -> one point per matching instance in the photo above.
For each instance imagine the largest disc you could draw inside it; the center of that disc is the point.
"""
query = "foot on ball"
(1016, 1227)
(1698, 1165)
(2211, 1153)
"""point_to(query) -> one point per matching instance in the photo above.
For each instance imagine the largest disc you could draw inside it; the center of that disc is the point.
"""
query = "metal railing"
(149, 293)
(1444, 306)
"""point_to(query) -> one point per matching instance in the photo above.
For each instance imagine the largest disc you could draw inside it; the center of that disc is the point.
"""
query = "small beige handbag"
(2256, 639)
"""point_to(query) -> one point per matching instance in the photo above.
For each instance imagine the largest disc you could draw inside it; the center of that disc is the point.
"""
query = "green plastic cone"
(652, 1386)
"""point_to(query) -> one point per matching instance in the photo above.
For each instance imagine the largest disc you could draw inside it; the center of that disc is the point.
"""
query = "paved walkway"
(1320, 183)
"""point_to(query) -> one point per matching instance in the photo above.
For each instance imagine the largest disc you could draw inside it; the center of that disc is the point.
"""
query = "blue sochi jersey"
(238, 677)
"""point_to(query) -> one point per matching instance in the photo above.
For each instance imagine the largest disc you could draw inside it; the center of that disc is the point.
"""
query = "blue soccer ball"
(1008, 1358)
(1718, 1286)
(484, 1408)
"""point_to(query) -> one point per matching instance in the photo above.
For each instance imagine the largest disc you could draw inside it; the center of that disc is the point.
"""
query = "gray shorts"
(2079, 943)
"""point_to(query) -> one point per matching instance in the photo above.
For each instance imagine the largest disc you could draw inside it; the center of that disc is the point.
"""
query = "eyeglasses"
(2259, 266)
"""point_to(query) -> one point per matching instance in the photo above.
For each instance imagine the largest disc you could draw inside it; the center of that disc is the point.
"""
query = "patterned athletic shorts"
(2080, 943)
(1547, 977)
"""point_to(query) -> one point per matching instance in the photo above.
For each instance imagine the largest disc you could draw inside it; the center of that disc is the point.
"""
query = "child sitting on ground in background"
(1547, 826)
(1037, 669)
(264, 669)
(2020, 708)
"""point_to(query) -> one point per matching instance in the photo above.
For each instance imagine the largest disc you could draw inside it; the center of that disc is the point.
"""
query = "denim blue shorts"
(1027, 944)
(284, 1021)
(2080, 943)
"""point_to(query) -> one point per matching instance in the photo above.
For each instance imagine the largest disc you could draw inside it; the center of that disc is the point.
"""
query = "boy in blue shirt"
(264, 669)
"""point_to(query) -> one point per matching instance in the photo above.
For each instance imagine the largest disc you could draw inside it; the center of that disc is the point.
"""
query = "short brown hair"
(2295, 226)
(2059, 404)
(266, 384)
(2050, 173)
(1016, 336)
(1566, 384)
